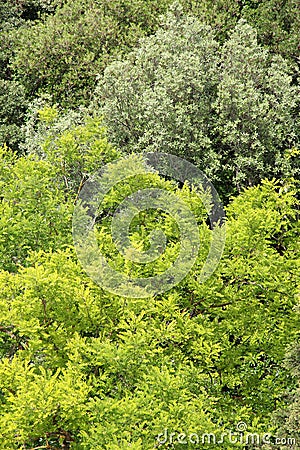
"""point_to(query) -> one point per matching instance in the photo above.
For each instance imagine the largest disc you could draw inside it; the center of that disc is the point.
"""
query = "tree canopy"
(92, 92)
(231, 109)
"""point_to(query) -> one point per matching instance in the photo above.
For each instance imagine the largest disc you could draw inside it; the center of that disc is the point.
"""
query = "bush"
(80, 366)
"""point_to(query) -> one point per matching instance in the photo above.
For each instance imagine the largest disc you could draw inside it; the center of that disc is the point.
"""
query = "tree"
(277, 22)
(13, 95)
(63, 54)
(80, 366)
(230, 109)
(34, 210)
(256, 109)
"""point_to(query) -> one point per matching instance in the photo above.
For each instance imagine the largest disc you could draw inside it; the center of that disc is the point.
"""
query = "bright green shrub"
(35, 212)
(82, 368)
(74, 143)
(38, 190)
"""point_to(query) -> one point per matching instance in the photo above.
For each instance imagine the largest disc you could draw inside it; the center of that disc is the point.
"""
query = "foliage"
(287, 418)
(13, 104)
(14, 13)
(278, 25)
(59, 47)
(229, 109)
(256, 110)
(74, 143)
(63, 54)
(34, 210)
(160, 97)
(13, 95)
(45, 119)
(38, 194)
(82, 368)
(277, 22)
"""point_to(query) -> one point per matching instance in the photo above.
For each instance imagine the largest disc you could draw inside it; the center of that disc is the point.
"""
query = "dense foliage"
(277, 21)
(88, 83)
(76, 43)
(230, 109)
(288, 416)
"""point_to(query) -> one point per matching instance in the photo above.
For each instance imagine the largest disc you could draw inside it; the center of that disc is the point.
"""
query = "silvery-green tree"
(231, 109)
